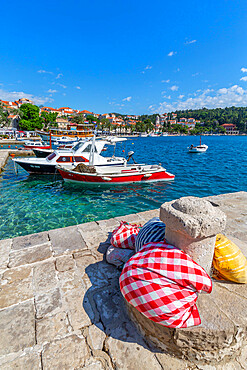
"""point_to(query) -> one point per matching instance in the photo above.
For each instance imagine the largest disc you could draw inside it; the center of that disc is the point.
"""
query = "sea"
(31, 203)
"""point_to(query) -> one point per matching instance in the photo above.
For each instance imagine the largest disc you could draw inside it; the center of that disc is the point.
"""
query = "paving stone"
(44, 277)
(92, 234)
(29, 361)
(78, 314)
(5, 246)
(130, 355)
(83, 259)
(67, 353)
(96, 336)
(48, 302)
(66, 239)
(93, 364)
(64, 263)
(27, 241)
(172, 363)
(134, 218)
(17, 328)
(52, 327)
(29, 255)
(16, 286)
(110, 305)
(147, 215)
(107, 226)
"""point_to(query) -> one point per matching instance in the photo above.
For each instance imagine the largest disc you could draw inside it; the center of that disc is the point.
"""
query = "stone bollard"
(192, 225)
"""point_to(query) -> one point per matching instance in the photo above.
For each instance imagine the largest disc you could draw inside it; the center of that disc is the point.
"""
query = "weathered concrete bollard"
(191, 225)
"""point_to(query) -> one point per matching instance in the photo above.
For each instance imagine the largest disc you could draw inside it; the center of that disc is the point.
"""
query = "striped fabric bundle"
(152, 231)
(163, 283)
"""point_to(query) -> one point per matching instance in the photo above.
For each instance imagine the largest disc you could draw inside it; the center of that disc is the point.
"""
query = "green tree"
(30, 117)
(4, 121)
(78, 118)
(49, 119)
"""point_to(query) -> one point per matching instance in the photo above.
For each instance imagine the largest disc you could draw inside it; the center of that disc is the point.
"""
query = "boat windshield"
(51, 156)
(77, 146)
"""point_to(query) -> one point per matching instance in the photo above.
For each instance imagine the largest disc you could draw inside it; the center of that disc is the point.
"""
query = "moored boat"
(35, 144)
(198, 148)
(116, 175)
(84, 151)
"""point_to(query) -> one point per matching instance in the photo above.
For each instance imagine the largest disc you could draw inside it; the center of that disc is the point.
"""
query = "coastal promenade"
(61, 308)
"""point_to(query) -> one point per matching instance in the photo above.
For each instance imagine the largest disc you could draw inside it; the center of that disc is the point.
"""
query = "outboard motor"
(130, 155)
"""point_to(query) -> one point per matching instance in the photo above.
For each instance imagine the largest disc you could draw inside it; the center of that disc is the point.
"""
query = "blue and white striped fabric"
(152, 231)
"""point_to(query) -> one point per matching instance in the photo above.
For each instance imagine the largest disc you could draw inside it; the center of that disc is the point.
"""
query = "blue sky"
(136, 57)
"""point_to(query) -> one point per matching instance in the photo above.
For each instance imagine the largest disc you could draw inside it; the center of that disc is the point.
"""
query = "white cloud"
(166, 81)
(190, 42)
(52, 91)
(209, 98)
(181, 97)
(128, 98)
(63, 86)
(78, 87)
(171, 53)
(243, 70)
(59, 75)
(174, 88)
(15, 95)
(243, 78)
(195, 74)
(146, 68)
(43, 71)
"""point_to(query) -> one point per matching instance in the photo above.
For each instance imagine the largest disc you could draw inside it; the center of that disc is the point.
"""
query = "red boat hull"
(37, 147)
(117, 179)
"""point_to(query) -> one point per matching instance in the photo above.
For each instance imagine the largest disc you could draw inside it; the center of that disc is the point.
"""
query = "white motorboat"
(82, 152)
(198, 148)
(143, 135)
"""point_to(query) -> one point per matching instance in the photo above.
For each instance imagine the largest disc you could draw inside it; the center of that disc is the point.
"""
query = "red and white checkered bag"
(124, 235)
(162, 282)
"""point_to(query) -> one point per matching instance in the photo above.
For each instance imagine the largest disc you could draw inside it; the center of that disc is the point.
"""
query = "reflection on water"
(31, 203)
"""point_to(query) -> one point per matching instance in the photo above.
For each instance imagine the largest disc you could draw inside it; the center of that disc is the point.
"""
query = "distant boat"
(143, 135)
(199, 148)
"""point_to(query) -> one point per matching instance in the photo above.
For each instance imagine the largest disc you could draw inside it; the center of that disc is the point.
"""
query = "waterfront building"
(231, 129)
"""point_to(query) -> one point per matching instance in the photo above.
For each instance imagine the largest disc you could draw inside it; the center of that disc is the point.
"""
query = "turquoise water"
(30, 204)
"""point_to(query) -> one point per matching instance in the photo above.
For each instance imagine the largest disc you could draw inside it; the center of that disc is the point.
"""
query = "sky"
(131, 57)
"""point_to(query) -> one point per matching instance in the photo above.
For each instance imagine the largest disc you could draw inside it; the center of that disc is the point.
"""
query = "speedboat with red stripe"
(84, 151)
(116, 175)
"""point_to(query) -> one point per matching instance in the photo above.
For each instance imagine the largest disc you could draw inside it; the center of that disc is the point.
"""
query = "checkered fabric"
(124, 235)
(162, 282)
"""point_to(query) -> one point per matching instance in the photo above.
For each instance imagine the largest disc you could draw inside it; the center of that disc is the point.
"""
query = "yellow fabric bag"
(229, 261)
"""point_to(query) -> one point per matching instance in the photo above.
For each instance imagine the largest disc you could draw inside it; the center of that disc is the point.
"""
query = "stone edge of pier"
(60, 306)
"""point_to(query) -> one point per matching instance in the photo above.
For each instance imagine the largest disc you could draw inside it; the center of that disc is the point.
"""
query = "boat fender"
(147, 175)
(106, 178)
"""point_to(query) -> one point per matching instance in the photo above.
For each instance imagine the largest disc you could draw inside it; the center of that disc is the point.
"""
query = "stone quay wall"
(61, 308)
(4, 155)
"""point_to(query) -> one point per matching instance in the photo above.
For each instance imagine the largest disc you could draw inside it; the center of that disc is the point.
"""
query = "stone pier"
(61, 307)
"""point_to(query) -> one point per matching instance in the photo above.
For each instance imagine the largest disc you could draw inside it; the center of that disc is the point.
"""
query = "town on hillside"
(23, 114)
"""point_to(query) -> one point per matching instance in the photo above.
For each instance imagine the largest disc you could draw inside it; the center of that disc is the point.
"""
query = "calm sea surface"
(30, 204)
